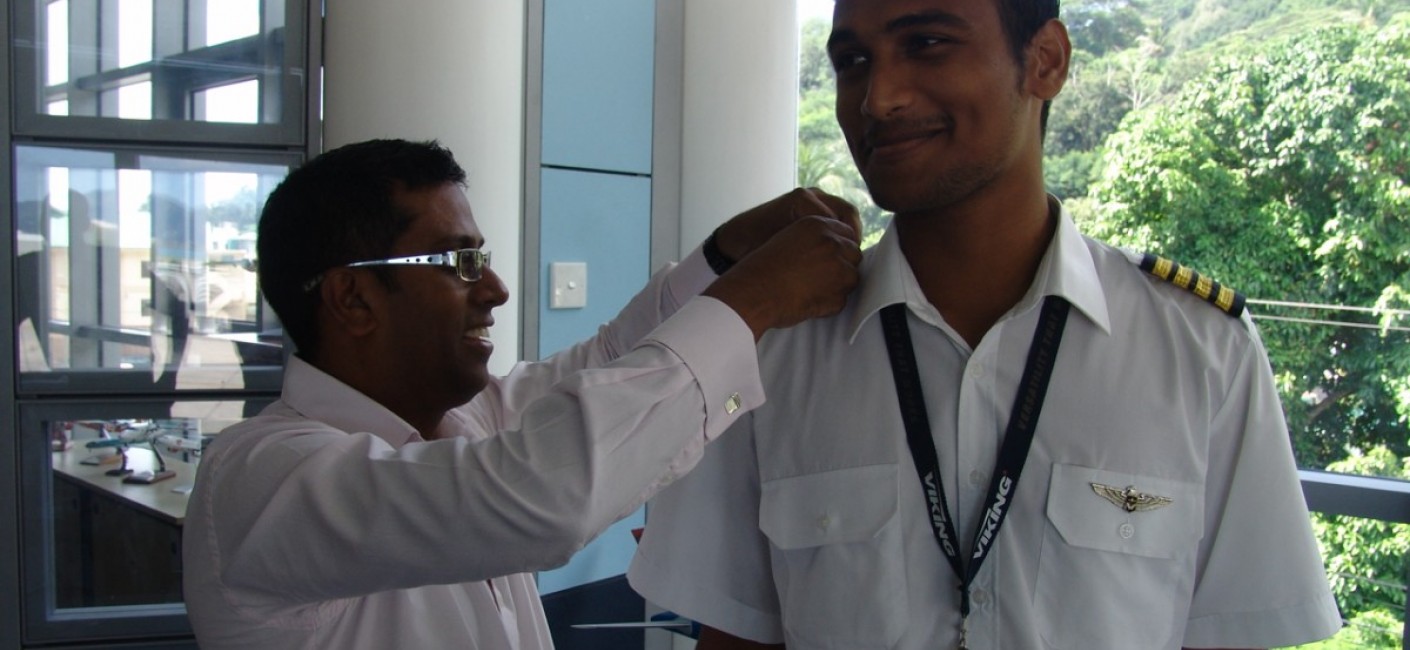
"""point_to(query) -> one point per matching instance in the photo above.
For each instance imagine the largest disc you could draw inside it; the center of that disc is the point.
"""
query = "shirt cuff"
(719, 350)
(691, 276)
(1316, 619)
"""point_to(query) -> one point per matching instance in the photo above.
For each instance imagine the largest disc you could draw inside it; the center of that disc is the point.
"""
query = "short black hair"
(1021, 20)
(336, 209)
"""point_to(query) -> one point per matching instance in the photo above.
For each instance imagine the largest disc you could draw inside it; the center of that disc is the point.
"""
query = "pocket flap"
(837, 506)
(1166, 523)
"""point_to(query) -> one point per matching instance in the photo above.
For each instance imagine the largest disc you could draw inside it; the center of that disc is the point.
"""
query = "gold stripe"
(1225, 300)
(1183, 276)
(1162, 268)
(1204, 287)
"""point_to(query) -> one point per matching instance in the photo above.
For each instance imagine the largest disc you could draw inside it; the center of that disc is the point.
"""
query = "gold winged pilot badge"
(1129, 499)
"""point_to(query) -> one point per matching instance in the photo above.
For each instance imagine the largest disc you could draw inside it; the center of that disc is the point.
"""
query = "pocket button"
(980, 597)
(1126, 531)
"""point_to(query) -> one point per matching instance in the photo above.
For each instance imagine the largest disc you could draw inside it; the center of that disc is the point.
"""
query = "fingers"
(751, 229)
(813, 201)
(806, 270)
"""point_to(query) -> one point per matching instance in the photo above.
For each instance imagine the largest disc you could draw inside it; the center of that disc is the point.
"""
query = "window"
(111, 480)
(146, 135)
(161, 69)
(136, 271)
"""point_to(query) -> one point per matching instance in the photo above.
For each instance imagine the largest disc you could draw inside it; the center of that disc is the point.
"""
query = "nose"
(489, 290)
(888, 92)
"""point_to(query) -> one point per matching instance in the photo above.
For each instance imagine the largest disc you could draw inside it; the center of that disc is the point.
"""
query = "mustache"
(882, 133)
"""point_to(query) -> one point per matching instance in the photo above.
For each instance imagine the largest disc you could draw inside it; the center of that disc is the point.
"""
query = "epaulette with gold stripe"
(1227, 300)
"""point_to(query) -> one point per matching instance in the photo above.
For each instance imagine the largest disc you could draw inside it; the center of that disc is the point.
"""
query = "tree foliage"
(1366, 557)
(1287, 171)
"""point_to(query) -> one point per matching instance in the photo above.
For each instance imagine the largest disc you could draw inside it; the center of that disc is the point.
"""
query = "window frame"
(83, 381)
(292, 92)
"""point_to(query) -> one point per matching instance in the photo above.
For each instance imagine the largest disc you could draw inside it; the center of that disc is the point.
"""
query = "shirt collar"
(319, 396)
(1067, 270)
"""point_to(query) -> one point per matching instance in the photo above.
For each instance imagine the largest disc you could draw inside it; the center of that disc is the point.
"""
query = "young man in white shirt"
(397, 495)
(876, 500)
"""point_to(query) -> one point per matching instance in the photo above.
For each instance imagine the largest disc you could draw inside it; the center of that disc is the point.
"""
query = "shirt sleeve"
(312, 515)
(1261, 582)
(703, 555)
(503, 402)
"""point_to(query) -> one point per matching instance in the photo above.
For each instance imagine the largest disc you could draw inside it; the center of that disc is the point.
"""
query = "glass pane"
(140, 265)
(237, 103)
(146, 60)
(1342, 383)
(1366, 563)
(117, 486)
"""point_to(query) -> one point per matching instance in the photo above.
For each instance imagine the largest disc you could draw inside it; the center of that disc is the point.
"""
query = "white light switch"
(568, 281)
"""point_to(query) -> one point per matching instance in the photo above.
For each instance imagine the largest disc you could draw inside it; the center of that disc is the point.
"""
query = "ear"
(1049, 54)
(351, 301)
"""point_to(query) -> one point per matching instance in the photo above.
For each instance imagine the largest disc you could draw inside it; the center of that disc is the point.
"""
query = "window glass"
(232, 20)
(56, 52)
(139, 266)
(1365, 561)
(141, 60)
(237, 103)
(114, 482)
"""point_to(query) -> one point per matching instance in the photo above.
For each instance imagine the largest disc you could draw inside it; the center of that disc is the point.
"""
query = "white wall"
(452, 70)
(740, 109)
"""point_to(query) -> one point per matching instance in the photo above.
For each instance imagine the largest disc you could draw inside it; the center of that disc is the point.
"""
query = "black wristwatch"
(716, 258)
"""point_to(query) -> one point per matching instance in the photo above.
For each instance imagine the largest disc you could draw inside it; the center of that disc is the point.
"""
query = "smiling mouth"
(480, 333)
(898, 141)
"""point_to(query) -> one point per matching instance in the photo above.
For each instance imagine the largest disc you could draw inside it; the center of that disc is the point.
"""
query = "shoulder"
(276, 432)
(1202, 286)
(1169, 285)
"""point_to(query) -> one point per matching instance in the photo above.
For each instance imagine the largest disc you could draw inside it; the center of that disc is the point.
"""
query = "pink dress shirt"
(328, 522)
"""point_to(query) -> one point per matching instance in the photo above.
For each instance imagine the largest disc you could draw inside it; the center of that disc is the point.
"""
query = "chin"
(928, 194)
(476, 384)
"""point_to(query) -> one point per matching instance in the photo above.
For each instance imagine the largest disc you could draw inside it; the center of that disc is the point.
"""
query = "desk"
(161, 499)
(115, 543)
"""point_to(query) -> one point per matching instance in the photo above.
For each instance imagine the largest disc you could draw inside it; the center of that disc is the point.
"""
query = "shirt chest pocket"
(835, 542)
(1117, 564)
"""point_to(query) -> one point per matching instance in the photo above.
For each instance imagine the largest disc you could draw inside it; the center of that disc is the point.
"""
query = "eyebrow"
(918, 19)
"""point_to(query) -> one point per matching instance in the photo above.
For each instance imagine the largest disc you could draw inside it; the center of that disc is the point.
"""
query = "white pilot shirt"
(328, 522)
(808, 525)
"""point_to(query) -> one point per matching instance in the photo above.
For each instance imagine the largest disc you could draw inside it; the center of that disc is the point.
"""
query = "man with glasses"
(397, 494)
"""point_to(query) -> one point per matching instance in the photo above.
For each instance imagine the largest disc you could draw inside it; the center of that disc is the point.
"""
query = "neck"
(405, 399)
(975, 260)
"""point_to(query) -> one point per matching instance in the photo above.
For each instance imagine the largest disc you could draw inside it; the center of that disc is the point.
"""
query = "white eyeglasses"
(469, 264)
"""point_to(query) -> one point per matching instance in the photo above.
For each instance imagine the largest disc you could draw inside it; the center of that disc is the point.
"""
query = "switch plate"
(568, 284)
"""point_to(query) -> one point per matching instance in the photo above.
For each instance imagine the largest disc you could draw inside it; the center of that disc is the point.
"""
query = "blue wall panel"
(605, 221)
(597, 84)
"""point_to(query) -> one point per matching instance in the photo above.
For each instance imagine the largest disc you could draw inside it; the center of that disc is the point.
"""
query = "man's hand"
(804, 267)
(750, 229)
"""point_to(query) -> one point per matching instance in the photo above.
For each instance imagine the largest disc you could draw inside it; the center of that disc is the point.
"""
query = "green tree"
(240, 210)
(1102, 26)
(1288, 173)
(1366, 558)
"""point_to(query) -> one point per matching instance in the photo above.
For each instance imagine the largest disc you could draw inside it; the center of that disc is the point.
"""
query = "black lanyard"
(1023, 421)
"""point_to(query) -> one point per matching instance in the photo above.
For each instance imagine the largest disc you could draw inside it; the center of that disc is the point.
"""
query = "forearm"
(469, 508)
